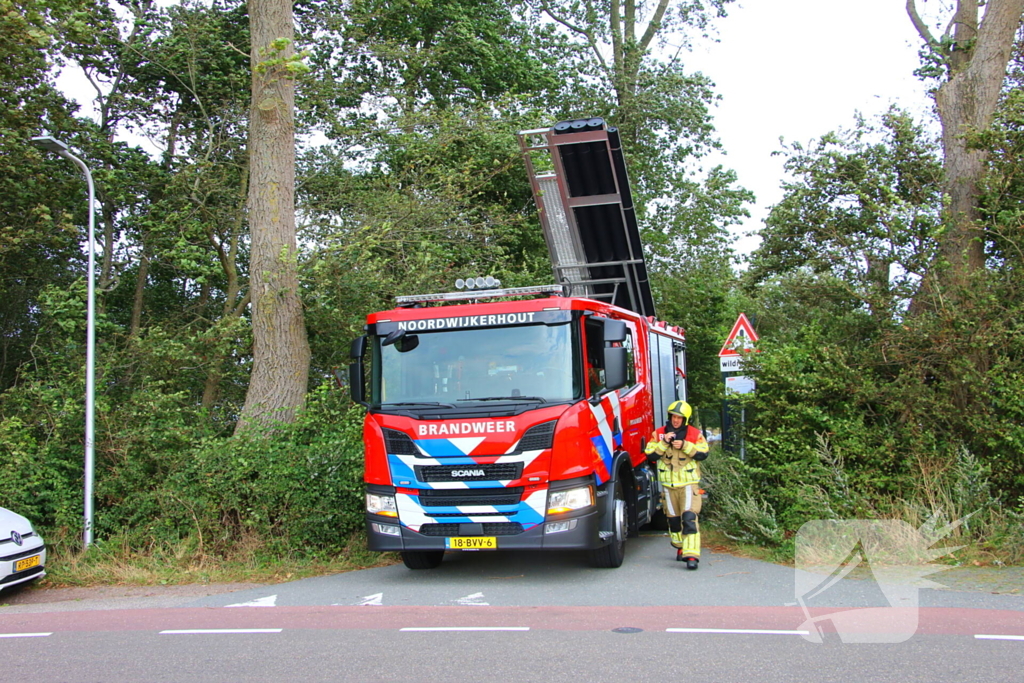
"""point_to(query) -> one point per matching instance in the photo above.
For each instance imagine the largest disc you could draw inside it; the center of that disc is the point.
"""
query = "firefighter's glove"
(654, 450)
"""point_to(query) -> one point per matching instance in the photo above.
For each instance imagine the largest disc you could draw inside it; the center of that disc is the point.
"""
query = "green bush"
(297, 487)
(162, 481)
(737, 506)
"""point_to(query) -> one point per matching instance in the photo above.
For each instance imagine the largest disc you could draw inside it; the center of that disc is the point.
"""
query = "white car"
(22, 551)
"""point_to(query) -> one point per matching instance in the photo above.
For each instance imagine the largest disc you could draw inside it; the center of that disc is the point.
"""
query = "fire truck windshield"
(519, 363)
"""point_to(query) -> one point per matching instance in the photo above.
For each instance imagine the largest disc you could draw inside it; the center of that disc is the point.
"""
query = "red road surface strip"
(929, 620)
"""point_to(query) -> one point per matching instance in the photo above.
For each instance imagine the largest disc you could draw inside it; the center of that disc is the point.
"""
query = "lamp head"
(50, 143)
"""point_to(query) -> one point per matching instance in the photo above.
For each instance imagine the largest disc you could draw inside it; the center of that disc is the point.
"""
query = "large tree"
(862, 208)
(280, 368)
(971, 57)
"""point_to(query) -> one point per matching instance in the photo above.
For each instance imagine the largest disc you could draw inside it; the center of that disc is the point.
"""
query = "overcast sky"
(799, 68)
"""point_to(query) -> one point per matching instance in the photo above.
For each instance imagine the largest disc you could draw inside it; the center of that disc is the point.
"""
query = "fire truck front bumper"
(576, 531)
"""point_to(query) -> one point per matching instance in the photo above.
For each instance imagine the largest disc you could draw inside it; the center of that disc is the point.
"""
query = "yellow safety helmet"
(680, 408)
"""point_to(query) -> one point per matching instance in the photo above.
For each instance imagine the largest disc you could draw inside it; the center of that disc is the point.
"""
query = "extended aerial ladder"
(578, 176)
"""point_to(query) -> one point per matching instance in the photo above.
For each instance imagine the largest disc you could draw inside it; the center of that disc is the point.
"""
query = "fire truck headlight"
(570, 499)
(377, 504)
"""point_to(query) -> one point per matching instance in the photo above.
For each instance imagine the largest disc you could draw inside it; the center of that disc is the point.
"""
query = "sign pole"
(741, 340)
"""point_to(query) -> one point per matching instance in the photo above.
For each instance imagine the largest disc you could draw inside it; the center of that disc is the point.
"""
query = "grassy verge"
(114, 563)
(717, 542)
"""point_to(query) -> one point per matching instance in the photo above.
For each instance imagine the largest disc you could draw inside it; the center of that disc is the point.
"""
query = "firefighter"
(678, 447)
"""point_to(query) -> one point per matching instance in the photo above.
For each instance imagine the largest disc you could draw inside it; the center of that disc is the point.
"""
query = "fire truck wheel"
(422, 559)
(611, 555)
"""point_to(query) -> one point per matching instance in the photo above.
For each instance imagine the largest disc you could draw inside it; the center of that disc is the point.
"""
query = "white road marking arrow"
(474, 599)
(375, 599)
(269, 601)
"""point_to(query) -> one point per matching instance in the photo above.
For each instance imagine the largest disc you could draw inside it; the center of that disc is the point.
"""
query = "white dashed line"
(737, 630)
(219, 630)
(466, 628)
(24, 635)
(983, 636)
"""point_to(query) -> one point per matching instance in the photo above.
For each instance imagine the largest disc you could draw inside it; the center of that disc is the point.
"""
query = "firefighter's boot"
(690, 547)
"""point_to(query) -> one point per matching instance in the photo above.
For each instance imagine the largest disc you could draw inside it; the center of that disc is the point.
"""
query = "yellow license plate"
(27, 563)
(472, 543)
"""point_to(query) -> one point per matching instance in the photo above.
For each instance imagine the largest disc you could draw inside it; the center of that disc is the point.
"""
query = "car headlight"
(378, 504)
(570, 499)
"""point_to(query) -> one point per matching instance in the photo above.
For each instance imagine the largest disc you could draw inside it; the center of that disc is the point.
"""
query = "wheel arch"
(622, 469)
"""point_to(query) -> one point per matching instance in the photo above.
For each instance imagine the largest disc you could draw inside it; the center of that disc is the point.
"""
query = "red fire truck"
(516, 418)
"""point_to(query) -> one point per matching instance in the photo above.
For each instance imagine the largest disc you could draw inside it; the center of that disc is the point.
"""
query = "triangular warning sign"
(741, 339)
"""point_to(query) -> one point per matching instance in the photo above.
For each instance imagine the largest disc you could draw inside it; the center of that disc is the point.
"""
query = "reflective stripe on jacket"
(677, 466)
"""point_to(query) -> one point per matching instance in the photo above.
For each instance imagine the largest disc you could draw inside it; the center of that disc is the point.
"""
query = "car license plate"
(27, 563)
(472, 543)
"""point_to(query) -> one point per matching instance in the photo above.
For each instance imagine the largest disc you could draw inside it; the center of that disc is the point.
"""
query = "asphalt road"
(523, 616)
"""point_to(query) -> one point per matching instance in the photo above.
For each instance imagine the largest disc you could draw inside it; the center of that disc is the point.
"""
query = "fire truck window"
(663, 372)
(667, 367)
(680, 367)
(595, 356)
(483, 363)
(652, 354)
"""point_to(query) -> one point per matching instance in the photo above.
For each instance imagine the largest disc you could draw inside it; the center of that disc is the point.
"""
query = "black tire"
(422, 559)
(612, 555)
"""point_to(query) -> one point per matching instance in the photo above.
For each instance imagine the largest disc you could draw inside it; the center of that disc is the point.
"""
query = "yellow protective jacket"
(678, 466)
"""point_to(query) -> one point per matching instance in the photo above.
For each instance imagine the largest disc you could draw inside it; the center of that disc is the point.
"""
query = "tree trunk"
(140, 292)
(977, 64)
(280, 370)
(234, 303)
(628, 56)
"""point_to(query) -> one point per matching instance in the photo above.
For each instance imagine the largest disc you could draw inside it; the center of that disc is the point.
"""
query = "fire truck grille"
(496, 472)
(448, 497)
(537, 437)
(490, 529)
(399, 443)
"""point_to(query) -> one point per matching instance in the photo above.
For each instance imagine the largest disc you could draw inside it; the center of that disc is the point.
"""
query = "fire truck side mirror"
(358, 348)
(612, 359)
(356, 378)
(615, 367)
(614, 330)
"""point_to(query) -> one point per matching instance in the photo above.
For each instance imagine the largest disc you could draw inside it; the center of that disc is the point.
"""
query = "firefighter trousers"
(682, 507)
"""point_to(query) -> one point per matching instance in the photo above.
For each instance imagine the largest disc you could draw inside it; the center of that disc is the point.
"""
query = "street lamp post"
(53, 145)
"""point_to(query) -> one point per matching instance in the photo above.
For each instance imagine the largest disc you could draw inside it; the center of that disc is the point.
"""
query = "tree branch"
(589, 35)
(655, 24)
(919, 24)
(630, 33)
(242, 303)
(616, 28)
